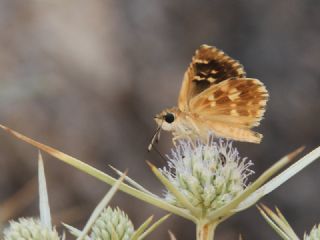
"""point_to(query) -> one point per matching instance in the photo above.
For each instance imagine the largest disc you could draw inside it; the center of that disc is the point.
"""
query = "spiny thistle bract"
(208, 175)
(314, 234)
(112, 224)
(29, 229)
(280, 224)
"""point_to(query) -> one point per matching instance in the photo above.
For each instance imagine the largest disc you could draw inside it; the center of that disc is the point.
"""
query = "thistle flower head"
(112, 224)
(209, 175)
(29, 229)
(314, 234)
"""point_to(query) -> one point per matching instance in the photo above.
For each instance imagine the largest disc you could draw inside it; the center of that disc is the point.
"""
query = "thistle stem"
(205, 230)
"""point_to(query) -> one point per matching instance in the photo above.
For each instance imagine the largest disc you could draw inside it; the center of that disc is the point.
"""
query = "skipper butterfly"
(215, 98)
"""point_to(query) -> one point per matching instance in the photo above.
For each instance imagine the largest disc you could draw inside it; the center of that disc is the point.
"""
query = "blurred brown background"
(87, 77)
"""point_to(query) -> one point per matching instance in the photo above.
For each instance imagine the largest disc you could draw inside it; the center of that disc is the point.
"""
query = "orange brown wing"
(239, 103)
(209, 66)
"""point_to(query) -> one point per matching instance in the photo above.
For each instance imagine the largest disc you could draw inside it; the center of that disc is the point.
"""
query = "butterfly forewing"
(209, 66)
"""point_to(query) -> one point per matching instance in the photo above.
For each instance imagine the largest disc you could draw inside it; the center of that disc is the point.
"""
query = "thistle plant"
(207, 176)
(205, 183)
(209, 181)
(282, 227)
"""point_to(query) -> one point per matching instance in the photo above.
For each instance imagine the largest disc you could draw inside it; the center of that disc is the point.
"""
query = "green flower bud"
(29, 229)
(112, 224)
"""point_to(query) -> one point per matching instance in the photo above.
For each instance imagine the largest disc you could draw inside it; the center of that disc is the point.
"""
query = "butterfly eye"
(169, 117)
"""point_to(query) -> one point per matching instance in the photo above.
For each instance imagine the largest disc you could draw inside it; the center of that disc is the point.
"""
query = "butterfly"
(215, 99)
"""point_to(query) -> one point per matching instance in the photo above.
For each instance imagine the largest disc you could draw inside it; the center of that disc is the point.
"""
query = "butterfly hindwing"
(209, 66)
(238, 102)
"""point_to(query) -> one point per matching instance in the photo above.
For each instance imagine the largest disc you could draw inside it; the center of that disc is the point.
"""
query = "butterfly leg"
(175, 139)
(181, 137)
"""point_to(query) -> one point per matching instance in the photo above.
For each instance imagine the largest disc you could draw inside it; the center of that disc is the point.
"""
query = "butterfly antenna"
(155, 137)
(158, 136)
